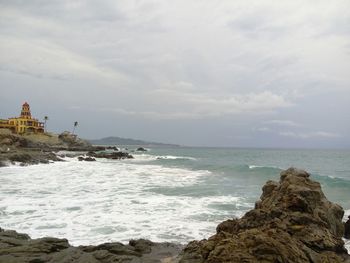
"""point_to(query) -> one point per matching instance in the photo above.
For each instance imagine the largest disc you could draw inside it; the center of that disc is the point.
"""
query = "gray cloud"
(232, 63)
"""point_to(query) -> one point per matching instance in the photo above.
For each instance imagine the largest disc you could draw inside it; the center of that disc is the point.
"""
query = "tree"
(75, 125)
(45, 120)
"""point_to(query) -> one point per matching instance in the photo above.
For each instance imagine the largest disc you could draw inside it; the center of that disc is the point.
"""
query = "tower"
(25, 113)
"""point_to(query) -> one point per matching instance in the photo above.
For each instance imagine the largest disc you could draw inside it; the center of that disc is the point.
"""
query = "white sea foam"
(261, 166)
(149, 157)
(95, 202)
(171, 157)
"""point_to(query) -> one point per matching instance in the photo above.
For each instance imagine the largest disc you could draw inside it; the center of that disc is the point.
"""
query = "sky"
(220, 73)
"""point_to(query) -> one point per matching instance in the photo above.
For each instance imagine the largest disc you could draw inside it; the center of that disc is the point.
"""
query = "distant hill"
(125, 141)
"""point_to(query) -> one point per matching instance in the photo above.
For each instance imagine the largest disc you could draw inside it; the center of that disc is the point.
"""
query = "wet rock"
(141, 149)
(347, 229)
(112, 155)
(112, 148)
(292, 222)
(86, 159)
(29, 156)
(16, 247)
(20, 157)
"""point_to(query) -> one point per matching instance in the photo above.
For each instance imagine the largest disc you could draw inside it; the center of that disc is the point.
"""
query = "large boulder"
(292, 222)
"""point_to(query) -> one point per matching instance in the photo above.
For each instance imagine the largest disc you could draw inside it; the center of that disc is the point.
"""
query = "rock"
(347, 229)
(9, 139)
(29, 156)
(73, 142)
(141, 149)
(87, 159)
(292, 222)
(20, 157)
(6, 141)
(16, 247)
(113, 155)
(112, 148)
(142, 245)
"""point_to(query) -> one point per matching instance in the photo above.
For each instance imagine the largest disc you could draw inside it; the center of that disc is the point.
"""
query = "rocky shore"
(44, 148)
(20, 248)
(292, 222)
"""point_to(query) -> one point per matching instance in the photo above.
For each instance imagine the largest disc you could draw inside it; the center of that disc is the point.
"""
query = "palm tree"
(75, 125)
(45, 120)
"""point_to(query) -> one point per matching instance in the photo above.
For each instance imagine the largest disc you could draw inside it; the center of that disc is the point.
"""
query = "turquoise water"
(244, 171)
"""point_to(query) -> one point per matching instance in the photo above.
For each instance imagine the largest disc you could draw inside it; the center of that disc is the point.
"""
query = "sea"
(173, 194)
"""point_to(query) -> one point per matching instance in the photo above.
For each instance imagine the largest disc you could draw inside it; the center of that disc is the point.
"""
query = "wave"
(106, 193)
(265, 167)
(149, 157)
(332, 181)
(172, 157)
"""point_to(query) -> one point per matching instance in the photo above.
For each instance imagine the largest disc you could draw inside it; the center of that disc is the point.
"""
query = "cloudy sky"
(193, 72)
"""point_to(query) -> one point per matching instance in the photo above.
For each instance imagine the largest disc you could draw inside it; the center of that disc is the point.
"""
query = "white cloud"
(179, 105)
(310, 135)
(263, 129)
(43, 59)
(283, 123)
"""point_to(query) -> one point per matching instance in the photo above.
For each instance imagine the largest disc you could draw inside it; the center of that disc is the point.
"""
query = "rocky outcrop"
(8, 139)
(141, 149)
(16, 247)
(73, 141)
(110, 155)
(39, 148)
(27, 157)
(292, 222)
(86, 159)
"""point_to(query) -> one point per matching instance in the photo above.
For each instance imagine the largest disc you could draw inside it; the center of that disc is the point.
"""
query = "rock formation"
(110, 155)
(141, 149)
(293, 222)
(39, 148)
(86, 159)
(16, 247)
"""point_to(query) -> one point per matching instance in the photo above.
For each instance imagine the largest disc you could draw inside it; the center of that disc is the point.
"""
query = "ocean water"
(166, 194)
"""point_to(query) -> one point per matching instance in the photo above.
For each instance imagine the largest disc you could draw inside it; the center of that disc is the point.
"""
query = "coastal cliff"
(292, 222)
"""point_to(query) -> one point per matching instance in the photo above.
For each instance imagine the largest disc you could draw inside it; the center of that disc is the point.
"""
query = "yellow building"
(23, 124)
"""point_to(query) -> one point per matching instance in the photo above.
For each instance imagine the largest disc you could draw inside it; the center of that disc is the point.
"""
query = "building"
(23, 124)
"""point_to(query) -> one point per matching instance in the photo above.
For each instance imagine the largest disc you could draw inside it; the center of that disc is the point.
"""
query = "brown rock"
(292, 222)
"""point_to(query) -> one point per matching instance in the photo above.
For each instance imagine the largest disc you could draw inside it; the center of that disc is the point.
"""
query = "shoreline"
(44, 148)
